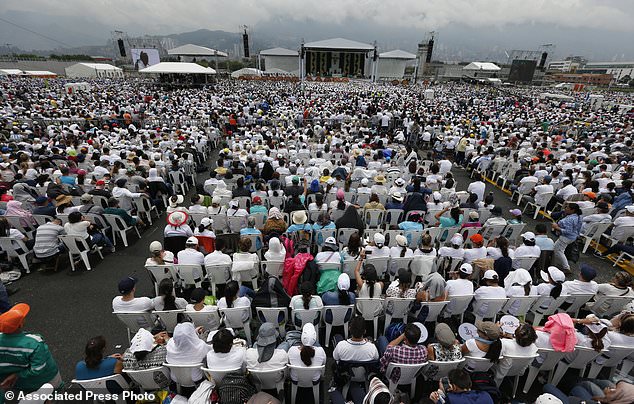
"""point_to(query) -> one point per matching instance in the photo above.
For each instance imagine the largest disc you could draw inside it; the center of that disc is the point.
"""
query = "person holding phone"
(456, 388)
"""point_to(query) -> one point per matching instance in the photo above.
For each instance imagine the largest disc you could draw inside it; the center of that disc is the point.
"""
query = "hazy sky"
(78, 22)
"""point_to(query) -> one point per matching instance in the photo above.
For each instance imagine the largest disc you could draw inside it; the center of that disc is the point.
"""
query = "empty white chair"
(550, 359)
(237, 318)
(273, 315)
(121, 228)
(135, 320)
(218, 274)
(216, 375)
(518, 306)
(160, 272)
(145, 208)
(610, 359)
(304, 376)
(299, 317)
(459, 304)
(182, 374)
(269, 379)
(190, 275)
(583, 356)
(545, 199)
(408, 375)
(76, 245)
(593, 232)
(578, 300)
(145, 378)
(101, 384)
(539, 313)
(435, 308)
(436, 370)
(210, 320)
(524, 262)
(397, 307)
(374, 217)
(340, 317)
(518, 368)
(169, 318)
(371, 309)
(17, 249)
(488, 308)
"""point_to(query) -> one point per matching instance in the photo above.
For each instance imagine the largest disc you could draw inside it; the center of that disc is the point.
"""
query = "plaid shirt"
(405, 354)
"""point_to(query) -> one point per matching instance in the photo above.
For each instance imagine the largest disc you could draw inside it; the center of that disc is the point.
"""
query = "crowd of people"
(325, 198)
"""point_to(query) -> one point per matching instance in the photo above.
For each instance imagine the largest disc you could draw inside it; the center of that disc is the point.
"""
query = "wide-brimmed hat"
(555, 273)
(63, 199)
(299, 217)
(397, 196)
(379, 179)
(489, 329)
(177, 218)
(176, 200)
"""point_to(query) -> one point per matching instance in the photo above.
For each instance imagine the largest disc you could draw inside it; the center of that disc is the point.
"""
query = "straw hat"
(177, 218)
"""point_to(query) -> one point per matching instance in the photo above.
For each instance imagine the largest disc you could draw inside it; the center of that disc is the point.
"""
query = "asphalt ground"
(68, 308)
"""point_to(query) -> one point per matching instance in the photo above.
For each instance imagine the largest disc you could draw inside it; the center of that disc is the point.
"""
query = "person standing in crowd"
(568, 229)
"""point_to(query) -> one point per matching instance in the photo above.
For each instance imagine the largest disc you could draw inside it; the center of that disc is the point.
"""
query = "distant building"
(583, 78)
(392, 64)
(280, 58)
(616, 69)
(565, 66)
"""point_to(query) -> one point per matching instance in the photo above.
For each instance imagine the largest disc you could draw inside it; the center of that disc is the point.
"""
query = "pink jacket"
(562, 332)
(293, 268)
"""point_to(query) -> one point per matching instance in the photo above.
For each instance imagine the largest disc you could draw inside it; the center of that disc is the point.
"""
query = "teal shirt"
(29, 357)
(449, 221)
(258, 209)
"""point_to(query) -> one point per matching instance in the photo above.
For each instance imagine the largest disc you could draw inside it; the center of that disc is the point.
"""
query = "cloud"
(168, 16)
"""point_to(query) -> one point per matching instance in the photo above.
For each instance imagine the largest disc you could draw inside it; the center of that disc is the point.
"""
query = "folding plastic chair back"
(218, 274)
(271, 379)
(371, 309)
(273, 268)
(7, 244)
(554, 303)
(299, 317)
(340, 317)
(145, 208)
(101, 384)
(442, 368)
(492, 307)
(198, 217)
(183, 374)
(393, 217)
(608, 306)
(583, 356)
(422, 265)
(259, 218)
(76, 245)
(277, 201)
(220, 222)
(513, 232)
(409, 373)
(236, 223)
(120, 227)
(613, 357)
(237, 318)
(435, 308)
(579, 299)
(396, 263)
(343, 235)
(42, 219)
(190, 274)
(459, 304)
(216, 375)
(169, 318)
(304, 377)
(160, 272)
(244, 202)
(321, 235)
(396, 308)
(519, 364)
(524, 263)
(135, 320)
(274, 315)
(522, 305)
(178, 180)
(593, 232)
(390, 237)
(374, 217)
(380, 264)
(210, 320)
(477, 364)
(491, 232)
(550, 359)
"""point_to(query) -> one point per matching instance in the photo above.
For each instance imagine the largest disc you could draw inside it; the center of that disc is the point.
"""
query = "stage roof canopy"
(397, 54)
(195, 50)
(178, 68)
(246, 71)
(482, 66)
(278, 52)
(339, 43)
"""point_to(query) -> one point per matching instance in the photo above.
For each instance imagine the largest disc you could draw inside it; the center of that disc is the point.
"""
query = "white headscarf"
(519, 276)
(276, 251)
(274, 213)
(185, 347)
(153, 176)
(142, 341)
(309, 335)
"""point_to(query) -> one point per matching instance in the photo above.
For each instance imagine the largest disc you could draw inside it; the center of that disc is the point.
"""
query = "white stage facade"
(338, 57)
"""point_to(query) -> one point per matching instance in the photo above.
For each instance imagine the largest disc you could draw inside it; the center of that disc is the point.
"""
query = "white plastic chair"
(236, 223)
(7, 245)
(190, 274)
(182, 374)
(492, 308)
(100, 384)
(160, 272)
(475, 364)
(435, 308)
(304, 316)
(145, 208)
(578, 300)
(344, 234)
(593, 232)
(371, 309)
(121, 228)
(519, 364)
(218, 274)
(135, 320)
(198, 217)
(237, 318)
(539, 313)
(380, 264)
(339, 314)
(374, 217)
(524, 262)
(321, 235)
(523, 305)
(169, 318)
(177, 179)
(41, 393)
(550, 360)
(396, 307)
(513, 231)
(422, 265)
(393, 217)
(76, 245)
(583, 357)
(396, 263)
(611, 359)
(459, 304)
(442, 368)
(269, 379)
(491, 232)
(304, 375)
(209, 320)
(273, 268)
(216, 375)
(42, 219)
(145, 377)
(272, 315)
(547, 196)
(408, 375)
(609, 306)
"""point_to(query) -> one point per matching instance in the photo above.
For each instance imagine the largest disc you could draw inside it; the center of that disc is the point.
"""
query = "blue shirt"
(449, 221)
(250, 230)
(105, 368)
(317, 226)
(297, 227)
(258, 209)
(570, 226)
(67, 179)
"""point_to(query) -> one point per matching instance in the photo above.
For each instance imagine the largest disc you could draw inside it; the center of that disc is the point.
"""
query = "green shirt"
(29, 357)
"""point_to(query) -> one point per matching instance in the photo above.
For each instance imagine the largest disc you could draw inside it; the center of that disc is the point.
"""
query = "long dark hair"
(354, 244)
(597, 339)
(306, 289)
(166, 289)
(503, 245)
(94, 351)
(455, 214)
(495, 349)
(231, 291)
(306, 354)
(5, 227)
(370, 277)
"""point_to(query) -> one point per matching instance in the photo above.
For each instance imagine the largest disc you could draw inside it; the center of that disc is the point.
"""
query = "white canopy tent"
(11, 72)
(195, 50)
(93, 70)
(392, 64)
(482, 67)
(247, 71)
(279, 58)
(177, 68)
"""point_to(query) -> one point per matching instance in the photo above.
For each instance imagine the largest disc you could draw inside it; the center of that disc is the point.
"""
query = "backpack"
(235, 388)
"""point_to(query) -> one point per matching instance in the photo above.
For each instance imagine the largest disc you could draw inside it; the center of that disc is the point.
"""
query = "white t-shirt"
(477, 188)
(78, 229)
(511, 348)
(278, 360)
(189, 256)
(356, 351)
(217, 258)
(471, 254)
(239, 302)
(295, 359)
(159, 303)
(451, 252)
(136, 304)
(233, 359)
(577, 286)
(457, 287)
(488, 292)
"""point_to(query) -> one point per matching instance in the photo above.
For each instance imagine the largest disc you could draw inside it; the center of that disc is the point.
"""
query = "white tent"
(40, 73)
(392, 64)
(247, 71)
(276, 71)
(280, 58)
(338, 43)
(195, 50)
(93, 70)
(482, 67)
(10, 72)
(177, 68)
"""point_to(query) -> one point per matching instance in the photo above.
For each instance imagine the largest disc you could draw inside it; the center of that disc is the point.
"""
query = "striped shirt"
(29, 357)
(47, 240)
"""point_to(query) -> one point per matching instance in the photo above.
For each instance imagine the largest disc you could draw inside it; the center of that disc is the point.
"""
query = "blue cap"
(588, 272)
(126, 285)
(41, 199)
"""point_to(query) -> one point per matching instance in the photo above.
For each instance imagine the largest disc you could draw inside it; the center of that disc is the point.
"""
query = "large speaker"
(542, 61)
(121, 47)
(430, 49)
(245, 42)
(522, 71)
